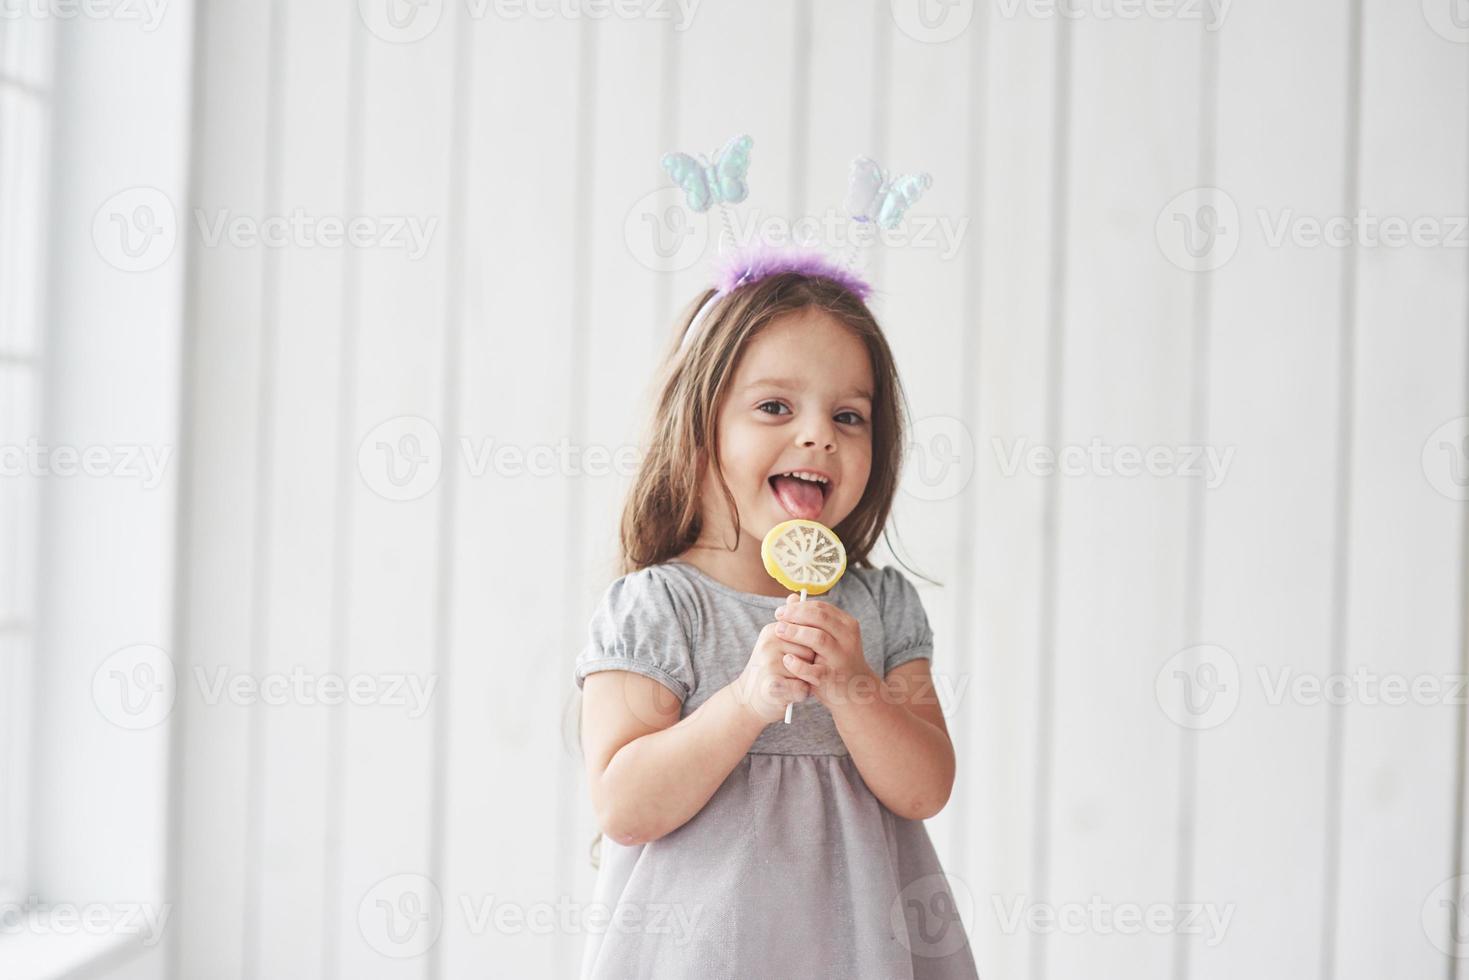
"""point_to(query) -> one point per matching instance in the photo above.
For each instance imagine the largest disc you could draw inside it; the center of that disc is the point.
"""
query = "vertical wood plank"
(1274, 321)
(1126, 361)
(1403, 591)
(512, 609)
(1012, 228)
(922, 299)
(389, 909)
(225, 317)
(305, 307)
(634, 226)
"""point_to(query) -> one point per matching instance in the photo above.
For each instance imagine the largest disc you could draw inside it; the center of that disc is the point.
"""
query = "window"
(25, 108)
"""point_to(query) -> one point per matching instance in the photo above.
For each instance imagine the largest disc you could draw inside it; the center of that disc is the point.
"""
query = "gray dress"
(793, 868)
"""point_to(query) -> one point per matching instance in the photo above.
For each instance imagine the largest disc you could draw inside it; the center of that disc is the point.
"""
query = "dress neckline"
(753, 598)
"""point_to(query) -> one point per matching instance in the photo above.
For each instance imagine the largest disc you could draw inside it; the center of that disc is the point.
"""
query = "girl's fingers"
(794, 688)
(802, 653)
(800, 668)
(809, 637)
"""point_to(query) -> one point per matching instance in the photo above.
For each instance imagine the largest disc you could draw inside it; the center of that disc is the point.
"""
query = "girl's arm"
(893, 727)
(899, 741)
(649, 772)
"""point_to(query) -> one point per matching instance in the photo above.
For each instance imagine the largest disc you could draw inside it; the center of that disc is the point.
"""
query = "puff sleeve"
(637, 627)
(907, 635)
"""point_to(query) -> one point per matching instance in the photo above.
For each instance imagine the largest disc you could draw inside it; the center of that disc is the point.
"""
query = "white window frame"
(95, 796)
(26, 56)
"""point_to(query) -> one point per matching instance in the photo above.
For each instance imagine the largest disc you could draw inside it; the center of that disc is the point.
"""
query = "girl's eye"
(847, 417)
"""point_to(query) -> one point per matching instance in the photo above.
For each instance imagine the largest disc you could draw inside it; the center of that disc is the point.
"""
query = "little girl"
(736, 845)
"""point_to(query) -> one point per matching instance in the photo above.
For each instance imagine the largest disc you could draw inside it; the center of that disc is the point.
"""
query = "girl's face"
(800, 399)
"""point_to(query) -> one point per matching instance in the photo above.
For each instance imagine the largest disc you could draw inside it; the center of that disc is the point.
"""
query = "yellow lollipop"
(806, 557)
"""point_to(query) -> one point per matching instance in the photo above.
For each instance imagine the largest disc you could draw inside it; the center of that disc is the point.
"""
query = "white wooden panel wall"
(1271, 324)
(215, 864)
(1013, 268)
(1404, 568)
(1110, 760)
(534, 317)
(299, 805)
(516, 829)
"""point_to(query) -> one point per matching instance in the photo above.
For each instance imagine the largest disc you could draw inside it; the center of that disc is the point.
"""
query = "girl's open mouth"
(800, 497)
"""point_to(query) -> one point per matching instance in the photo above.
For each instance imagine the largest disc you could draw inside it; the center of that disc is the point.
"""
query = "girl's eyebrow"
(789, 383)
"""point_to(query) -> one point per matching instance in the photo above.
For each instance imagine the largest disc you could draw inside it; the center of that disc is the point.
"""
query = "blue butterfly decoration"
(721, 181)
(874, 195)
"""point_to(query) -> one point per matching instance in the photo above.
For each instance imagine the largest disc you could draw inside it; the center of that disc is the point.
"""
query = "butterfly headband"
(873, 195)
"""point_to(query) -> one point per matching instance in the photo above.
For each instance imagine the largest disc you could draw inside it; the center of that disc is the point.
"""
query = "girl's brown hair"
(660, 519)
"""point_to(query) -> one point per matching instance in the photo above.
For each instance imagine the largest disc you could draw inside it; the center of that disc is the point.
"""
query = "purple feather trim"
(755, 262)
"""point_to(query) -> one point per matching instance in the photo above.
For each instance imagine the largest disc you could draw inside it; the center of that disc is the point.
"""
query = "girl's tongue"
(800, 498)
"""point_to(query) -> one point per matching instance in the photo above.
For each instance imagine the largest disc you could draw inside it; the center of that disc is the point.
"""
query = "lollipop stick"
(792, 705)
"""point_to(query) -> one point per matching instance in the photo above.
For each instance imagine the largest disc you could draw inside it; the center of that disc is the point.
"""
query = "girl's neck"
(742, 569)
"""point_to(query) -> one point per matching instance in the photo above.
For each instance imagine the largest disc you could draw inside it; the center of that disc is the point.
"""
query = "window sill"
(36, 950)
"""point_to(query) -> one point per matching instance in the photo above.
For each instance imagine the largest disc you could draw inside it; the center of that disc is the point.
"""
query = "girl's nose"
(823, 439)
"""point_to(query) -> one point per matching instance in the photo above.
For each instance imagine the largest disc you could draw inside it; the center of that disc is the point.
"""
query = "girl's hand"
(766, 686)
(830, 657)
